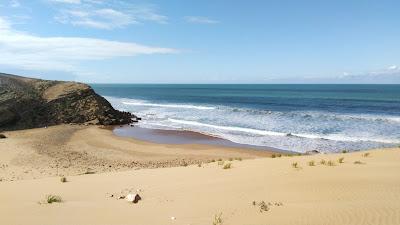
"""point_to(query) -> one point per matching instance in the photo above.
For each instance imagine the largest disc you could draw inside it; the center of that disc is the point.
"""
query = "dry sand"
(346, 193)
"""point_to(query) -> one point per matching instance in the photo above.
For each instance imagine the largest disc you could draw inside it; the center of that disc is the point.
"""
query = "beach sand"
(344, 193)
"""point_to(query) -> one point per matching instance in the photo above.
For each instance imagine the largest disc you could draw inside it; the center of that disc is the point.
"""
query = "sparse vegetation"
(218, 219)
(273, 156)
(322, 162)
(219, 159)
(220, 163)
(230, 159)
(53, 198)
(311, 163)
(184, 163)
(63, 179)
(330, 163)
(358, 162)
(239, 159)
(366, 154)
(213, 160)
(295, 165)
(341, 160)
(344, 151)
(199, 164)
(279, 155)
(227, 166)
(263, 207)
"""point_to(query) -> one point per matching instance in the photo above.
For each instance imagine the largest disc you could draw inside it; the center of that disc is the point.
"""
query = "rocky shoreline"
(31, 103)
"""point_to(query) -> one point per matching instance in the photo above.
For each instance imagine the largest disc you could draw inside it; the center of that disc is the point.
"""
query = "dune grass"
(53, 198)
(311, 163)
(322, 162)
(63, 179)
(295, 165)
(367, 154)
(217, 219)
(330, 163)
(227, 166)
(358, 162)
(341, 160)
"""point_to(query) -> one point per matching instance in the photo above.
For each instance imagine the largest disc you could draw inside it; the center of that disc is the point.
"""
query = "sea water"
(298, 117)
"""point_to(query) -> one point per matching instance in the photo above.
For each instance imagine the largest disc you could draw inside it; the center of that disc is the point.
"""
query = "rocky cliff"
(29, 103)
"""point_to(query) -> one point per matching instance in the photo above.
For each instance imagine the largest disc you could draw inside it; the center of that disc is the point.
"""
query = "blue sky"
(203, 41)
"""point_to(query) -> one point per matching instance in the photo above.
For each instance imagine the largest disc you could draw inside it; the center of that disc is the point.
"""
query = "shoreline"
(181, 137)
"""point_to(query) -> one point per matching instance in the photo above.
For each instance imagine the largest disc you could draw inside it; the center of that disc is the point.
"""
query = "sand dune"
(345, 193)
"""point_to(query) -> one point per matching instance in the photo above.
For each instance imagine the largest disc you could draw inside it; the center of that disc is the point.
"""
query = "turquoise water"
(290, 117)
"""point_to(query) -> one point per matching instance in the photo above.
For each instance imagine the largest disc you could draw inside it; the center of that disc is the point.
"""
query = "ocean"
(296, 117)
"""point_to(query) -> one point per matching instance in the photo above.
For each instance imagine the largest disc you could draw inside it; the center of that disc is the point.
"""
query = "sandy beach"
(256, 190)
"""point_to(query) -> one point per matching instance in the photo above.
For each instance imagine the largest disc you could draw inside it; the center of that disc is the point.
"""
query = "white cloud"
(200, 20)
(393, 67)
(67, 1)
(106, 14)
(15, 3)
(27, 51)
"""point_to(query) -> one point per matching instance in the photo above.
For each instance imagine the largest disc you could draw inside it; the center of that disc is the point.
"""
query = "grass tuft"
(220, 163)
(53, 198)
(273, 156)
(341, 160)
(322, 162)
(344, 151)
(239, 159)
(311, 163)
(295, 165)
(227, 166)
(366, 154)
(218, 219)
(213, 160)
(358, 162)
(63, 179)
(330, 163)
(219, 159)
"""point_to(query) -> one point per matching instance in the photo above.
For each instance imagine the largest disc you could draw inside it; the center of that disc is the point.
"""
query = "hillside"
(31, 103)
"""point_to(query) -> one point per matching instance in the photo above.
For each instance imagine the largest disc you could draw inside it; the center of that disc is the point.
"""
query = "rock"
(2, 136)
(133, 198)
(32, 103)
(313, 152)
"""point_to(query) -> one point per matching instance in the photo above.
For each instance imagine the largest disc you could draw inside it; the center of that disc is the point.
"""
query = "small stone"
(2, 136)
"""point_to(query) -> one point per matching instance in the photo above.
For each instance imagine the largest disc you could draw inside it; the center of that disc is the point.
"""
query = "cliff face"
(29, 103)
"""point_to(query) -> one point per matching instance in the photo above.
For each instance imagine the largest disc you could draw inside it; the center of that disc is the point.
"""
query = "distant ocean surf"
(327, 118)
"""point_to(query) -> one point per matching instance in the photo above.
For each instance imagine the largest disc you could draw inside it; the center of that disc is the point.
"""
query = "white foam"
(183, 106)
(229, 128)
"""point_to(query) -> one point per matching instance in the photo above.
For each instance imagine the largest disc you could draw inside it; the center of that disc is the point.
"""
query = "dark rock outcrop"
(30, 103)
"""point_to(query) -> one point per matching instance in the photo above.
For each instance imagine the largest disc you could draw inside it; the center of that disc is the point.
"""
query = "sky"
(202, 41)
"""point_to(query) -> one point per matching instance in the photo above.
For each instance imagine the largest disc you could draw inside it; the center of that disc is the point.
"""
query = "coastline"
(254, 189)
(179, 137)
